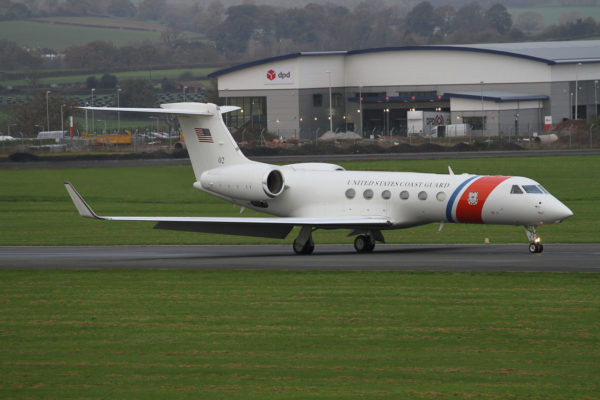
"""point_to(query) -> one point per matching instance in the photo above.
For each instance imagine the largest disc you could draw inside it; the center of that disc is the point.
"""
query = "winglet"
(83, 208)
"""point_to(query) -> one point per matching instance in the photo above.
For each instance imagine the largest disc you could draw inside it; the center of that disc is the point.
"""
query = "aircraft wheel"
(364, 244)
(306, 248)
(536, 248)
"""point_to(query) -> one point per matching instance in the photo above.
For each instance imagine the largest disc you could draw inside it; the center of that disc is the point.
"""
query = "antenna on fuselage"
(450, 170)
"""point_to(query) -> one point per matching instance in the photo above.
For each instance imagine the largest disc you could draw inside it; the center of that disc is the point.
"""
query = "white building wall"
(438, 67)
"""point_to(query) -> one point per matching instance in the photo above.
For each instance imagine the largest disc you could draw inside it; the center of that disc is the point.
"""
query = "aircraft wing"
(178, 111)
(261, 227)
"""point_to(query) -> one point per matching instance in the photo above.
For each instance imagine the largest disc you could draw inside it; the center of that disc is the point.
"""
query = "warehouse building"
(488, 89)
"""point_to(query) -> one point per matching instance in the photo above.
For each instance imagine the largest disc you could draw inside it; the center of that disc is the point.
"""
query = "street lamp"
(595, 99)
(360, 109)
(118, 112)
(482, 113)
(93, 123)
(47, 111)
(62, 120)
(330, 116)
(576, 88)
(184, 88)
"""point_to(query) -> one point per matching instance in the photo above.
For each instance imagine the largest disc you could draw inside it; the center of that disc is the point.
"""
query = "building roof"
(551, 53)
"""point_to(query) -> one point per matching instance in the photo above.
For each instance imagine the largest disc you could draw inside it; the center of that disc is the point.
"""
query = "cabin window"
(441, 196)
(404, 195)
(532, 189)
(422, 195)
(368, 194)
(350, 193)
(516, 190)
(386, 194)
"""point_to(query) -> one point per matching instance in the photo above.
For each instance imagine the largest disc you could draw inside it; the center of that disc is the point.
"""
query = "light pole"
(576, 89)
(118, 112)
(482, 116)
(62, 120)
(93, 123)
(184, 88)
(595, 99)
(47, 111)
(360, 109)
(571, 106)
(330, 116)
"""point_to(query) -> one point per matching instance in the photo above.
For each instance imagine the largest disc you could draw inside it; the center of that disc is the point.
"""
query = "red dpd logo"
(271, 75)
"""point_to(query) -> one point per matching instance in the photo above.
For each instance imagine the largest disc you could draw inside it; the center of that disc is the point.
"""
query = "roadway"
(500, 257)
(303, 158)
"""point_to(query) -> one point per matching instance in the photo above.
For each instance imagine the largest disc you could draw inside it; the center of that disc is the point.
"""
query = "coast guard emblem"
(472, 200)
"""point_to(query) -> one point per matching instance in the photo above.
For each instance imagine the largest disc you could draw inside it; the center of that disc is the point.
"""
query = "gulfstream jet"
(325, 196)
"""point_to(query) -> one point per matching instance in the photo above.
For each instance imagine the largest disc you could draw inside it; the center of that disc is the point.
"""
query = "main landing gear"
(304, 243)
(535, 245)
(364, 244)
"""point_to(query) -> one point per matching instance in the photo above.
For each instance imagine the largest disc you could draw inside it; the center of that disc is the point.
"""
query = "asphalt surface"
(511, 257)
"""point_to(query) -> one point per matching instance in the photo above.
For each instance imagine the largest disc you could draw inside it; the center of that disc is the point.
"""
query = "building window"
(317, 100)
(336, 100)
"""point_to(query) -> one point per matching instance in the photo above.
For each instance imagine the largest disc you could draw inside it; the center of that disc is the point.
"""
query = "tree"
(31, 118)
(497, 17)
(91, 82)
(137, 93)
(121, 8)
(96, 56)
(421, 19)
(108, 81)
(152, 9)
(530, 21)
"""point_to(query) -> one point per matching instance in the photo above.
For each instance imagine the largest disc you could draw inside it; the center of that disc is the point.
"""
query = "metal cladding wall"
(546, 70)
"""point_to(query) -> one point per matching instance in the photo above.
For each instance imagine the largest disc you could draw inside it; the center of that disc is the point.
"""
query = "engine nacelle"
(252, 182)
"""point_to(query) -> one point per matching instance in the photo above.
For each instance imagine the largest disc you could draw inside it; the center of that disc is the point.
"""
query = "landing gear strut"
(304, 243)
(364, 244)
(535, 245)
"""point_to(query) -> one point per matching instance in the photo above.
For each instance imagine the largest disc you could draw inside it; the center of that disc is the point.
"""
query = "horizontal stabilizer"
(169, 108)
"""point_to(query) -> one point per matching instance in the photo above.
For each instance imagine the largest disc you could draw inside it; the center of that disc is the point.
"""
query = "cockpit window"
(532, 189)
(516, 190)
(542, 189)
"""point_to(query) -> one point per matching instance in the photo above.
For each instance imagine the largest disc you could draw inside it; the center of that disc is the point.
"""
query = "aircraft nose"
(558, 212)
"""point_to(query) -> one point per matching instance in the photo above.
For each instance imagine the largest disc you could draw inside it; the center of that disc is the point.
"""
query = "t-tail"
(209, 143)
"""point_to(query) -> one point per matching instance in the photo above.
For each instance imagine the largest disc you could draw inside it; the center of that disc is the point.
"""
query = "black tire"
(533, 248)
(307, 248)
(360, 243)
(540, 248)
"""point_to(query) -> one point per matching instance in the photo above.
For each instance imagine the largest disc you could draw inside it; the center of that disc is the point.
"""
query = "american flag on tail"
(203, 135)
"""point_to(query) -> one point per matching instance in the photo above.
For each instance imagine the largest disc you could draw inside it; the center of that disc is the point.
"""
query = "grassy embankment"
(274, 334)
(35, 208)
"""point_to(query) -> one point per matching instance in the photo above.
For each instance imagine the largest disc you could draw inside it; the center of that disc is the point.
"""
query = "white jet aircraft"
(325, 196)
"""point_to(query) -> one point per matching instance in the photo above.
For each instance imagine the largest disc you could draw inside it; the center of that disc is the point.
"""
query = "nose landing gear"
(535, 245)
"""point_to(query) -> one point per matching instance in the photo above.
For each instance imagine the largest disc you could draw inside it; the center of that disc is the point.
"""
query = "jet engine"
(252, 182)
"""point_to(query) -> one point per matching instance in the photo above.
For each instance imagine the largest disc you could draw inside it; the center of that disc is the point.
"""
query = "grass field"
(44, 35)
(35, 208)
(154, 75)
(273, 335)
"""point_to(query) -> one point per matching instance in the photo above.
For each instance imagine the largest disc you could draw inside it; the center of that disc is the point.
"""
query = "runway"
(456, 257)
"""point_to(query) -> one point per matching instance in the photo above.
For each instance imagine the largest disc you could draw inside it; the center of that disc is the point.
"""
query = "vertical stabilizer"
(208, 141)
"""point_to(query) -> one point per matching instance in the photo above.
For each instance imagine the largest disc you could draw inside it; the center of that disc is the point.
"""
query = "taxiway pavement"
(455, 257)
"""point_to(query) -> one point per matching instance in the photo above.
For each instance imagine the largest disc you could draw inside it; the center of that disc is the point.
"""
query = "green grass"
(43, 35)
(155, 75)
(273, 334)
(36, 210)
